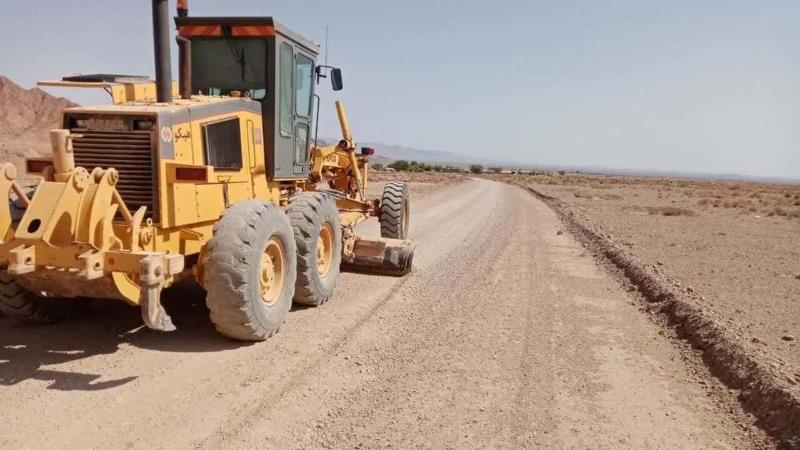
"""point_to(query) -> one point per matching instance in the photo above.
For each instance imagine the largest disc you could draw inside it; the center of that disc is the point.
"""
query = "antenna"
(326, 45)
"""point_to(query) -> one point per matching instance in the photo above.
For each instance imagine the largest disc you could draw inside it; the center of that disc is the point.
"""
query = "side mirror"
(336, 79)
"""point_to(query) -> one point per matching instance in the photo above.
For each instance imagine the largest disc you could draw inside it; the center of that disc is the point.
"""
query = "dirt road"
(506, 335)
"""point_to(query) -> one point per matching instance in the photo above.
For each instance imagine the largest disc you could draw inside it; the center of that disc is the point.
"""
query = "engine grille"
(131, 153)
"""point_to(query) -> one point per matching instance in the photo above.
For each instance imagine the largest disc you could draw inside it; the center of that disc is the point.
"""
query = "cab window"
(303, 74)
(286, 96)
(220, 66)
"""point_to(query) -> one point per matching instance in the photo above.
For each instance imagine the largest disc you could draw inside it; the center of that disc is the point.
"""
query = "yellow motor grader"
(221, 183)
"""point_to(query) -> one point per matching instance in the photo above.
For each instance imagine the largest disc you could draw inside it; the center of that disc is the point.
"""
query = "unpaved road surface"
(505, 335)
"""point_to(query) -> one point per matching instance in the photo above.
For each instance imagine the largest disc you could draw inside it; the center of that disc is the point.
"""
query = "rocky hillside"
(27, 114)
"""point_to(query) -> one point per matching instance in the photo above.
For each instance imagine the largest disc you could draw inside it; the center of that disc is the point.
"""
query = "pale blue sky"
(703, 86)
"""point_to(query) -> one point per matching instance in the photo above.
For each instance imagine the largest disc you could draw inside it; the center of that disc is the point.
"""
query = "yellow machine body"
(134, 192)
(79, 237)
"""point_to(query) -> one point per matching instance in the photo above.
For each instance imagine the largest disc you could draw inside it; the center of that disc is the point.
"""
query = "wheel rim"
(272, 271)
(325, 250)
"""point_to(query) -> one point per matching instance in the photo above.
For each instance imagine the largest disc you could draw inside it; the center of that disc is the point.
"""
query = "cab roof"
(194, 26)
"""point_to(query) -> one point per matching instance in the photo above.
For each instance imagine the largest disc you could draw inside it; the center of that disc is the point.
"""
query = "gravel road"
(505, 335)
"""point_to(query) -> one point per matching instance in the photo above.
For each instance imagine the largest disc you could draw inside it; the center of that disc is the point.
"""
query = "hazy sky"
(704, 86)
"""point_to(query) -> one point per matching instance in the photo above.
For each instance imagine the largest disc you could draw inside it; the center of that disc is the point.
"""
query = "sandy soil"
(506, 334)
(734, 247)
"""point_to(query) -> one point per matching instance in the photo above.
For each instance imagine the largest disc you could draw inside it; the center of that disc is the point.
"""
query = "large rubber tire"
(309, 213)
(395, 205)
(233, 271)
(24, 306)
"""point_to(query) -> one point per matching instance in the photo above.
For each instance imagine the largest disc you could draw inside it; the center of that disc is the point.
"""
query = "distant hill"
(27, 114)
(395, 152)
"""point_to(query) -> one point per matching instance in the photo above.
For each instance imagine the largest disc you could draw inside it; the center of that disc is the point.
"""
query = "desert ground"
(512, 331)
(733, 246)
(507, 334)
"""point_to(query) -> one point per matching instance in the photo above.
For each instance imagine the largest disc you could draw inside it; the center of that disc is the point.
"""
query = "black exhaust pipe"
(184, 56)
(161, 46)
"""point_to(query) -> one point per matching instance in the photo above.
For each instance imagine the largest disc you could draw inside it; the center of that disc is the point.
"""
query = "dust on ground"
(733, 246)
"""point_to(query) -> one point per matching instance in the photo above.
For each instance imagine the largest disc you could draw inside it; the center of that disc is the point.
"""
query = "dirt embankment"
(714, 261)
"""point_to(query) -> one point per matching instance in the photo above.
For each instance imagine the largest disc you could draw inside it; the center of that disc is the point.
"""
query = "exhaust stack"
(183, 8)
(161, 47)
(185, 56)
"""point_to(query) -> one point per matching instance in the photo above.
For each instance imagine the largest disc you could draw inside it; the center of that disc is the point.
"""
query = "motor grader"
(215, 177)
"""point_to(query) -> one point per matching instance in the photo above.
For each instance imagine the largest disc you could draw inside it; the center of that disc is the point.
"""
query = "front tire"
(24, 306)
(394, 210)
(318, 236)
(250, 271)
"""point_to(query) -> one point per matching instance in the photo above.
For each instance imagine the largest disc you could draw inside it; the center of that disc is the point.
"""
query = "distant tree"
(495, 169)
(400, 165)
(562, 172)
(476, 168)
(377, 166)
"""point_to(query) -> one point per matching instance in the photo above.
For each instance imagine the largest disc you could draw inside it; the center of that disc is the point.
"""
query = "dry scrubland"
(733, 246)
(421, 184)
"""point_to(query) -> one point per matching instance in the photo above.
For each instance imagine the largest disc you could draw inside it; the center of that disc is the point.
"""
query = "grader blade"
(380, 256)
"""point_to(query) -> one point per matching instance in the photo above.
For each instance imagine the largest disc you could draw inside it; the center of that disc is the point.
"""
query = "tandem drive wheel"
(250, 271)
(318, 236)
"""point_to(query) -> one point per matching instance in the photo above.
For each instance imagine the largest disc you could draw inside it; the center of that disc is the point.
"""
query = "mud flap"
(392, 257)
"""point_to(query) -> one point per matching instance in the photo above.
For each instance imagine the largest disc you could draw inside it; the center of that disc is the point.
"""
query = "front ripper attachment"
(151, 277)
(380, 256)
(69, 243)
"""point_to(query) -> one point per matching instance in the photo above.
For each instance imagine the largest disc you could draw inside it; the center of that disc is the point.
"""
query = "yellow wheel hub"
(324, 250)
(272, 271)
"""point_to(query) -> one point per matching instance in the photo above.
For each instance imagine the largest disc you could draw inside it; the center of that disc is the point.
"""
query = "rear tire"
(250, 271)
(394, 210)
(318, 236)
(24, 306)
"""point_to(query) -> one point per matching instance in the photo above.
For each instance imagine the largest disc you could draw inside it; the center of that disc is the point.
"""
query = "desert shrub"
(670, 211)
(400, 164)
(583, 194)
(376, 166)
(611, 197)
(476, 168)
(404, 166)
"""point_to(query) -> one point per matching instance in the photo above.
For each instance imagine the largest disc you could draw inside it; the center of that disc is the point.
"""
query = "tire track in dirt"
(447, 225)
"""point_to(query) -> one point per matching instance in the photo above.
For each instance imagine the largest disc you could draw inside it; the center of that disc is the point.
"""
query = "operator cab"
(258, 58)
